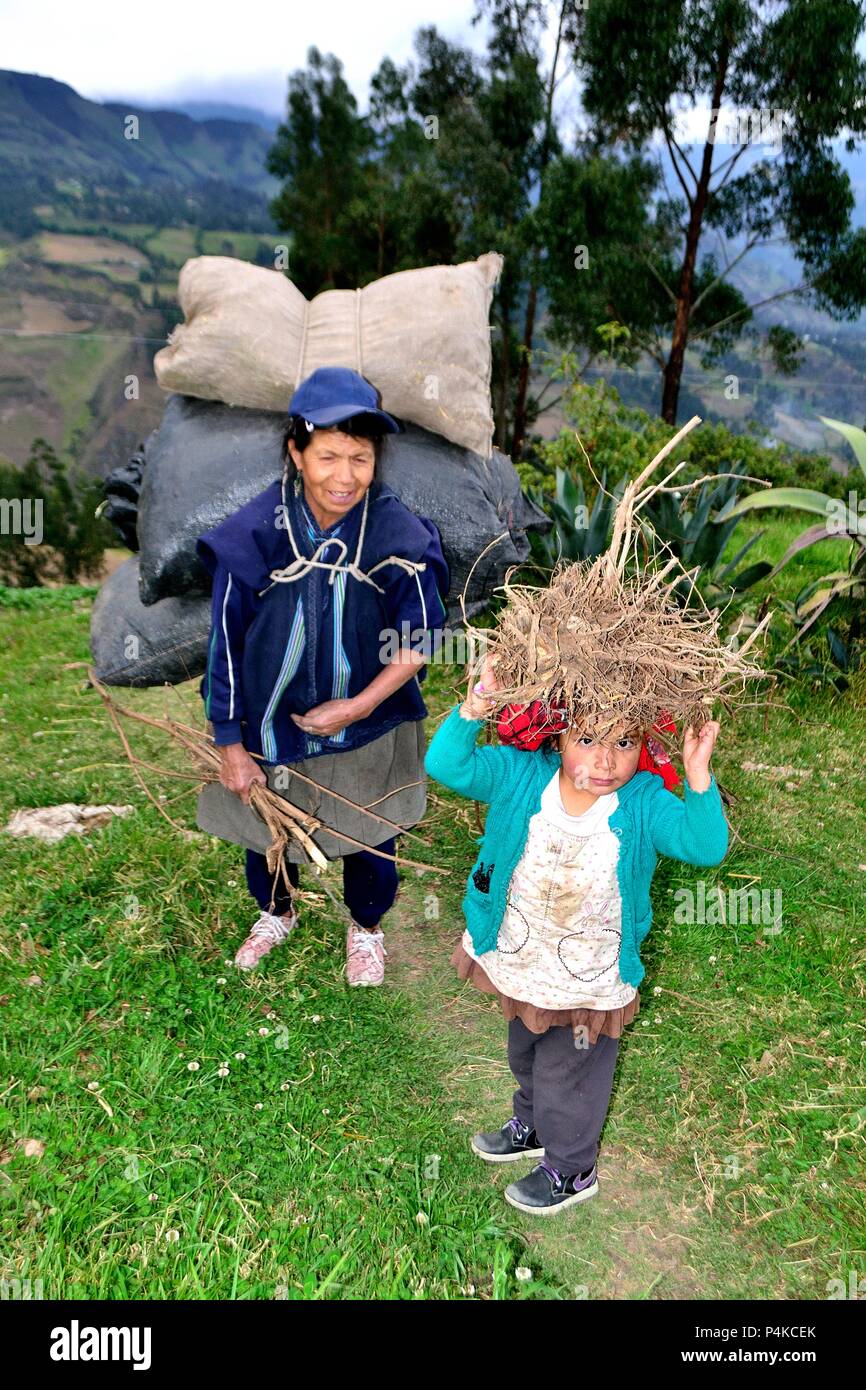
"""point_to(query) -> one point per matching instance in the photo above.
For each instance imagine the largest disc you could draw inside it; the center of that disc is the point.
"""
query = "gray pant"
(563, 1091)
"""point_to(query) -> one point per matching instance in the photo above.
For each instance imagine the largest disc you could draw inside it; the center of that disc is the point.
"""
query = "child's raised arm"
(453, 756)
(456, 761)
(693, 830)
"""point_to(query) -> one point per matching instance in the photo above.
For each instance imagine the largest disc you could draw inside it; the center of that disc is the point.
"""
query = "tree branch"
(750, 246)
(685, 186)
(713, 327)
(732, 161)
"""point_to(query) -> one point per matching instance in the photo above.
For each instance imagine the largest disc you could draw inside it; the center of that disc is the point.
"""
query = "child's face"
(600, 767)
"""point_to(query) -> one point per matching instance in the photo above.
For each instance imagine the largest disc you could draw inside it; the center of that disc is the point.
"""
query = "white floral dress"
(559, 939)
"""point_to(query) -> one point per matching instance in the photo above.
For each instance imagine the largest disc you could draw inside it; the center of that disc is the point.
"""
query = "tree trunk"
(673, 372)
(525, 362)
(504, 380)
(532, 300)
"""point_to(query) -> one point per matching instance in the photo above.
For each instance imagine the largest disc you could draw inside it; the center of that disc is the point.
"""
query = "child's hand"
(477, 705)
(697, 751)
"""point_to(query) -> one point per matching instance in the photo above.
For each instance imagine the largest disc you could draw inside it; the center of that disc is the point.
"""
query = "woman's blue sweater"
(649, 821)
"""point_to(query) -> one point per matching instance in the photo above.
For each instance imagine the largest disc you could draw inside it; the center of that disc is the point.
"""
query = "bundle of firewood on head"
(606, 645)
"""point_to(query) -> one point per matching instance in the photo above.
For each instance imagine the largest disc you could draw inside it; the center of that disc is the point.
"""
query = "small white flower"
(93, 1085)
(152, 1197)
(522, 1273)
(240, 1056)
(221, 980)
(285, 1086)
(187, 1011)
(222, 1071)
(271, 1014)
(645, 1023)
(147, 1013)
(172, 1236)
(258, 1105)
(316, 1018)
(422, 1218)
(264, 1032)
(233, 883)
(713, 960)
(657, 990)
(326, 1111)
(228, 962)
(192, 1066)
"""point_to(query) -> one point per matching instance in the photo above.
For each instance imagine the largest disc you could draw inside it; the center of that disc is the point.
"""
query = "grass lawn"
(332, 1161)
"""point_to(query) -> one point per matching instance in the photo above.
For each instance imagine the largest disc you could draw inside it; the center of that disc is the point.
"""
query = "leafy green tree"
(793, 75)
(319, 151)
(73, 537)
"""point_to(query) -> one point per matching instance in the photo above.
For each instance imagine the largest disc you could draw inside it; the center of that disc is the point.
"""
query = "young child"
(557, 906)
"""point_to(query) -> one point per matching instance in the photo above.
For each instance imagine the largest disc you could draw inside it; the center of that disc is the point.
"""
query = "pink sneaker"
(267, 933)
(365, 956)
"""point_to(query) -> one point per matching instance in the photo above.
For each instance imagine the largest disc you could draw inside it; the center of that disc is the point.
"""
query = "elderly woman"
(316, 584)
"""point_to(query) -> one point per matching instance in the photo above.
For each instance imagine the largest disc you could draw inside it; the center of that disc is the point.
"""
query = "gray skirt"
(375, 775)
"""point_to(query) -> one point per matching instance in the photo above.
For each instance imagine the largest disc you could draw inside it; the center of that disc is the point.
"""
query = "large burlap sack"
(134, 645)
(206, 460)
(421, 336)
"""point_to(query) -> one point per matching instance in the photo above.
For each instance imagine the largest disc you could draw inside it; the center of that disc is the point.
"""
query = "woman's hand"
(328, 718)
(697, 751)
(476, 706)
(238, 771)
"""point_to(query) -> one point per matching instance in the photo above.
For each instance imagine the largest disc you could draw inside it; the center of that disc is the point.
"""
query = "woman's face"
(600, 767)
(337, 469)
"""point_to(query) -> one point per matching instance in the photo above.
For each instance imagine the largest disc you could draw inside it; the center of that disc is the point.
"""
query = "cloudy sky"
(156, 50)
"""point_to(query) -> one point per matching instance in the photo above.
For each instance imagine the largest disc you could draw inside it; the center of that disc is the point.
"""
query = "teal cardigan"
(649, 821)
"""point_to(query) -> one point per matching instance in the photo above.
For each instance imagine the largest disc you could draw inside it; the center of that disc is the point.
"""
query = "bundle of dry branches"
(283, 819)
(607, 641)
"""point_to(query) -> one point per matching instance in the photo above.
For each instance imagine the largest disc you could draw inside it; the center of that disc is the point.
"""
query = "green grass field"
(332, 1161)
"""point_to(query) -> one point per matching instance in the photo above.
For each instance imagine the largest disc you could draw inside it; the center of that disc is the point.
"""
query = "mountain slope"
(58, 148)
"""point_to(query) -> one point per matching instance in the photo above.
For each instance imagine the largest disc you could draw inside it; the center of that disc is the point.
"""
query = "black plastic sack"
(203, 462)
(471, 500)
(207, 459)
(121, 490)
(134, 645)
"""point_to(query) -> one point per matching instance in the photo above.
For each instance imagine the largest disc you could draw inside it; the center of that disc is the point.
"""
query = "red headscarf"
(529, 726)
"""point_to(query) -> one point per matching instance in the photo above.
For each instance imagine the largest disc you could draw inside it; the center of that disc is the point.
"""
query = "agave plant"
(683, 523)
(840, 520)
(578, 532)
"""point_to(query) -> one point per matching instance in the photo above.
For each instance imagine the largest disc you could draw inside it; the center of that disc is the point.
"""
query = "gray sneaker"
(514, 1140)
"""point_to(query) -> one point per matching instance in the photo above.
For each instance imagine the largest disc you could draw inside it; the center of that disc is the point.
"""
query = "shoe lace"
(367, 941)
(553, 1173)
(271, 926)
(518, 1128)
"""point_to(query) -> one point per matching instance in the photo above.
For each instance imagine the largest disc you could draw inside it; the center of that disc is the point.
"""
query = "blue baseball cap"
(333, 394)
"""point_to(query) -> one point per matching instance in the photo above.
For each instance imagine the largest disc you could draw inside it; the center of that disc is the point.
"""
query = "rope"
(301, 565)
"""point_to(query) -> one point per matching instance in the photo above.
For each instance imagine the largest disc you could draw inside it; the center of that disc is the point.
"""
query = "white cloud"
(162, 50)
